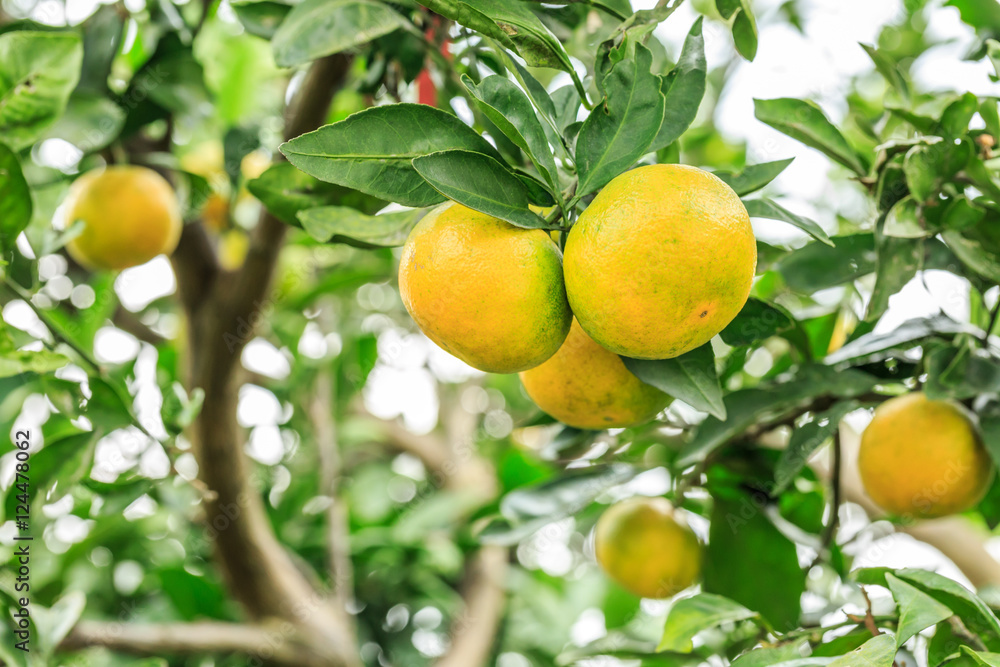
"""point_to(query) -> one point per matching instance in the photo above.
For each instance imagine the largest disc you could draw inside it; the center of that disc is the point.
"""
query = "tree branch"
(338, 531)
(473, 632)
(223, 314)
(260, 641)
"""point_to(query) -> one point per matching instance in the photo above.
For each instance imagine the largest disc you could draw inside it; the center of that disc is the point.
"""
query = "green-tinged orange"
(646, 548)
(489, 293)
(923, 458)
(660, 262)
(130, 215)
(586, 386)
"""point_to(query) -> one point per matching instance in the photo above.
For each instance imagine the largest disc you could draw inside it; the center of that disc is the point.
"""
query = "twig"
(830, 531)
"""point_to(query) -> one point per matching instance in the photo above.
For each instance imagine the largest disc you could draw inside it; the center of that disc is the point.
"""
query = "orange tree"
(175, 516)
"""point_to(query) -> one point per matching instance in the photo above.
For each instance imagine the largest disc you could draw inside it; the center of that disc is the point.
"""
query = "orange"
(130, 216)
(923, 458)
(643, 546)
(489, 293)
(585, 386)
(660, 262)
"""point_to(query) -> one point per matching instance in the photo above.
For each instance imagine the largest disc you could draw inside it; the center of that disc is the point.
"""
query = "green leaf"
(898, 262)
(339, 224)
(91, 122)
(904, 220)
(261, 17)
(917, 610)
(971, 252)
(567, 105)
(817, 266)
(739, 525)
(747, 407)
(745, 32)
(527, 509)
(38, 71)
(871, 347)
(975, 613)
(317, 28)
(683, 88)
(805, 122)
(754, 177)
(690, 377)
(805, 440)
(372, 150)
(509, 109)
(765, 208)
(757, 321)
(285, 191)
(889, 69)
(982, 658)
(15, 362)
(15, 200)
(960, 372)
(619, 132)
(876, 652)
(957, 115)
(692, 615)
(928, 166)
(481, 183)
(779, 655)
(55, 622)
(510, 22)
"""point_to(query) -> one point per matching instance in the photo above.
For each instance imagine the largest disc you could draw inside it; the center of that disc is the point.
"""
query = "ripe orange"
(923, 458)
(586, 386)
(643, 546)
(130, 216)
(490, 293)
(660, 262)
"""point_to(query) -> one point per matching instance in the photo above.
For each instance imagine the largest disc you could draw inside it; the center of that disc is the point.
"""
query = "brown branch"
(473, 632)
(338, 531)
(260, 641)
(127, 321)
(224, 310)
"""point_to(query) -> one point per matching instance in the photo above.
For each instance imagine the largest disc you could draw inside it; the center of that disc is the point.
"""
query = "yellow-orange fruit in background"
(489, 293)
(660, 262)
(923, 458)
(642, 545)
(586, 386)
(130, 216)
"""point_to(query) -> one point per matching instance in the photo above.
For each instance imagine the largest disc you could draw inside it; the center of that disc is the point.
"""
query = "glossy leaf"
(683, 89)
(874, 346)
(757, 321)
(805, 122)
(619, 132)
(766, 208)
(739, 525)
(38, 71)
(15, 200)
(317, 28)
(510, 22)
(750, 406)
(261, 17)
(817, 266)
(372, 150)
(527, 509)
(509, 109)
(876, 652)
(481, 183)
(692, 615)
(339, 224)
(753, 177)
(917, 610)
(286, 191)
(898, 262)
(805, 440)
(690, 377)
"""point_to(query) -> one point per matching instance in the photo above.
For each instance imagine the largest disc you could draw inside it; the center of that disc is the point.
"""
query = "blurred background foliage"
(195, 90)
